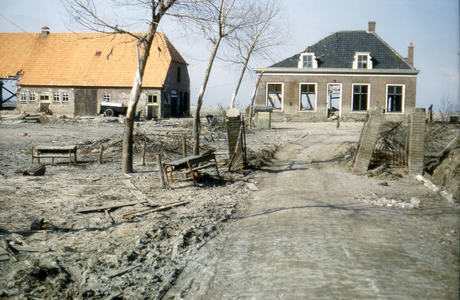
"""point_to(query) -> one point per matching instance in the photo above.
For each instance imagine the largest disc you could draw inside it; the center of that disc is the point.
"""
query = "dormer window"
(307, 61)
(362, 60)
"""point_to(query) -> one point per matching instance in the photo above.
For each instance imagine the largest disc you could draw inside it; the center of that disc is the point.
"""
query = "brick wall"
(417, 141)
(368, 140)
(377, 95)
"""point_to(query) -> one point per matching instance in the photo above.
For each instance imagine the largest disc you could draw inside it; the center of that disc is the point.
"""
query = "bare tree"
(85, 13)
(258, 38)
(446, 109)
(217, 20)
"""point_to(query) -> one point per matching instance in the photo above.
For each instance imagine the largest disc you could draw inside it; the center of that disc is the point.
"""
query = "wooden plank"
(104, 207)
(52, 156)
(31, 249)
(57, 148)
(144, 212)
(138, 194)
(252, 186)
(3, 251)
(4, 257)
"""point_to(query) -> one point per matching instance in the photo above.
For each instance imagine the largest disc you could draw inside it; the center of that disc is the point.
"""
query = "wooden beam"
(105, 207)
(144, 212)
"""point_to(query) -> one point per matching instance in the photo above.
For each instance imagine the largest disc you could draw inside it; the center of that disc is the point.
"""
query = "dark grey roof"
(338, 50)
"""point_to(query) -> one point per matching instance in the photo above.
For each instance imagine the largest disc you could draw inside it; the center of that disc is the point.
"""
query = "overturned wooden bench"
(55, 152)
(192, 163)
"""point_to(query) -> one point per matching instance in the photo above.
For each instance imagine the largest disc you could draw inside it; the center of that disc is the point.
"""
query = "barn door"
(85, 102)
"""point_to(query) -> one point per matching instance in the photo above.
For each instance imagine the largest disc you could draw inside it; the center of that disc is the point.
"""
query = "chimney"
(371, 26)
(45, 31)
(410, 55)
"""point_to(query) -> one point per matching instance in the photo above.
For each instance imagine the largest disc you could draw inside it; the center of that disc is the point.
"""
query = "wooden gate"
(85, 102)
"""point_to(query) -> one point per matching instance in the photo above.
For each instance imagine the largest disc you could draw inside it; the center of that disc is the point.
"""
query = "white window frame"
(56, 97)
(65, 97)
(314, 63)
(23, 96)
(106, 97)
(282, 96)
(32, 96)
(403, 100)
(368, 97)
(316, 96)
(369, 60)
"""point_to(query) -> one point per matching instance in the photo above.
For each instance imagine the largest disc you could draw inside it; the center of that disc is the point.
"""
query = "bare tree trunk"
(232, 103)
(199, 103)
(127, 151)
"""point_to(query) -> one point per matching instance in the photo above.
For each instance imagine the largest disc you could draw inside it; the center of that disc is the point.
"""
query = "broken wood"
(252, 186)
(31, 249)
(115, 273)
(4, 257)
(105, 207)
(144, 212)
(107, 213)
(138, 194)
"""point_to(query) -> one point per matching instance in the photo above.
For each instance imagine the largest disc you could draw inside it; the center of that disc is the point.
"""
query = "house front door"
(85, 102)
(334, 100)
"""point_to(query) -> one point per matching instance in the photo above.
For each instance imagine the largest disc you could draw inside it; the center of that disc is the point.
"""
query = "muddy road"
(312, 232)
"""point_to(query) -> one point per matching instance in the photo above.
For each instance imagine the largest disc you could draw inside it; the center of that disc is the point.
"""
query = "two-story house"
(342, 75)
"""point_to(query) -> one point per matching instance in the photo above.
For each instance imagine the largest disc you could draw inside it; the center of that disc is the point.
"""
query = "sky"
(431, 25)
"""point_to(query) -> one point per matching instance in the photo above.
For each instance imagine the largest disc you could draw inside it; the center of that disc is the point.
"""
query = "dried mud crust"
(89, 257)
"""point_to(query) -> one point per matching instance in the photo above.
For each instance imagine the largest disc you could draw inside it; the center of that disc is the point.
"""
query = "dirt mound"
(447, 174)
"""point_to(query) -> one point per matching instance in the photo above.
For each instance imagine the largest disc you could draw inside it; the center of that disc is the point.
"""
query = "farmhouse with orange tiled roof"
(73, 73)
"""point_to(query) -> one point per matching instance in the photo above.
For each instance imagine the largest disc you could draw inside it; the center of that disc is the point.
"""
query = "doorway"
(85, 102)
(334, 100)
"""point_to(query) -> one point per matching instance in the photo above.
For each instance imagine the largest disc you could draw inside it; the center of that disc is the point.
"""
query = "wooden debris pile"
(391, 147)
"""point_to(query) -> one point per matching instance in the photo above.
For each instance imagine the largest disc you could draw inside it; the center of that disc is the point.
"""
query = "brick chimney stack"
(410, 55)
(45, 31)
(371, 26)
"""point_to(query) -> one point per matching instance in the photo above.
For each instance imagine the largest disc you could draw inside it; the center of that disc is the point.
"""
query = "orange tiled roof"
(69, 59)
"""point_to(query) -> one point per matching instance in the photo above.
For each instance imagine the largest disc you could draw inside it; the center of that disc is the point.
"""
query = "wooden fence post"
(100, 154)
(143, 153)
(184, 146)
(160, 171)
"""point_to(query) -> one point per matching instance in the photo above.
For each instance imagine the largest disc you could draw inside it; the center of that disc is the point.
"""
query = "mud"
(89, 257)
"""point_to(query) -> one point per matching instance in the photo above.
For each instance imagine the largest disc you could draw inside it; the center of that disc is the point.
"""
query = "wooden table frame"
(55, 152)
(192, 163)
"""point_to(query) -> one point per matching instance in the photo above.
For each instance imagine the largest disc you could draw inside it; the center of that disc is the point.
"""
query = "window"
(395, 98)
(65, 96)
(307, 60)
(360, 97)
(56, 97)
(362, 60)
(152, 99)
(275, 95)
(44, 97)
(32, 96)
(106, 97)
(307, 96)
(23, 96)
(178, 74)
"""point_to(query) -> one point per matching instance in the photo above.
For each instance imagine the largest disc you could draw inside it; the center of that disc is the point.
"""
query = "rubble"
(414, 202)
(91, 250)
